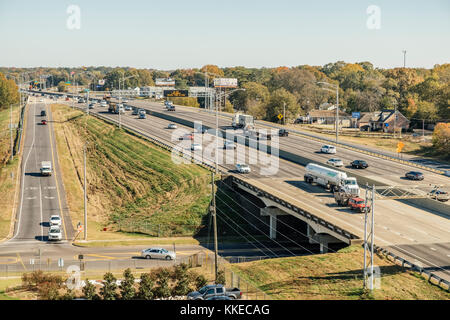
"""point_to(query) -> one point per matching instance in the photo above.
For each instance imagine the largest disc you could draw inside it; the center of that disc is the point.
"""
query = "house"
(384, 120)
(329, 117)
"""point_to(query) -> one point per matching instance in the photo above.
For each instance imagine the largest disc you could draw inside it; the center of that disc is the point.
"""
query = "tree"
(426, 110)
(62, 86)
(89, 291)
(200, 282)
(182, 286)
(108, 291)
(127, 290)
(145, 78)
(441, 139)
(146, 287)
(162, 289)
(278, 99)
(9, 92)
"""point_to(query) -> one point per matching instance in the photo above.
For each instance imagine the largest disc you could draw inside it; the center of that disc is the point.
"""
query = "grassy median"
(133, 185)
(8, 170)
(335, 276)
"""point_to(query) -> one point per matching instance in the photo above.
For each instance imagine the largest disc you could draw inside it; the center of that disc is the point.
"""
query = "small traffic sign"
(280, 116)
(31, 261)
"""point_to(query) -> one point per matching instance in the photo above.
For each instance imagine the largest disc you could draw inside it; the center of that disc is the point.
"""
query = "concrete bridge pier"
(272, 212)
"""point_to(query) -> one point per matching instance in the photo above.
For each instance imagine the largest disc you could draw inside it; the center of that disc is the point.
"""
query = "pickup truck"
(46, 168)
(214, 290)
(358, 204)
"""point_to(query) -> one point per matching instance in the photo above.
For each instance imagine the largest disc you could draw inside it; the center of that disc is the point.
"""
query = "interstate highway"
(410, 231)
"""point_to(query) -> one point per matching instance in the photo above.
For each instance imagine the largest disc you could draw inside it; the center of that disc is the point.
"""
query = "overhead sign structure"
(225, 83)
(164, 82)
(176, 93)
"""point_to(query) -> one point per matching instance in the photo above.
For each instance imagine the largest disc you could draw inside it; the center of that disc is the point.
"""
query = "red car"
(187, 136)
(44, 121)
(358, 204)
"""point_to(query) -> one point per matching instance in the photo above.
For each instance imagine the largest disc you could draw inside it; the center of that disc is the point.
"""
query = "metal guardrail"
(296, 209)
(444, 284)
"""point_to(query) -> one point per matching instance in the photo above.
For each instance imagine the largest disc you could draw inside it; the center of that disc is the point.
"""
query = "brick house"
(382, 120)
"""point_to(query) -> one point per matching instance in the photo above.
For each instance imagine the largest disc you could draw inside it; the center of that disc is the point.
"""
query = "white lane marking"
(31, 198)
(31, 188)
(50, 188)
(23, 176)
(49, 197)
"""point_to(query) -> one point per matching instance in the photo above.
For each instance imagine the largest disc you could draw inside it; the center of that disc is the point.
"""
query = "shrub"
(221, 277)
(200, 282)
(162, 289)
(89, 291)
(145, 287)
(127, 290)
(108, 291)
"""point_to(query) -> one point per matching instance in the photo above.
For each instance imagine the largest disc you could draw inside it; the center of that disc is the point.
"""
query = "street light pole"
(85, 194)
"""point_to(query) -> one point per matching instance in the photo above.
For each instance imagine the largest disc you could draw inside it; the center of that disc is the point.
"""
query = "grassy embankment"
(8, 170)
(130, 181)
(335, 276)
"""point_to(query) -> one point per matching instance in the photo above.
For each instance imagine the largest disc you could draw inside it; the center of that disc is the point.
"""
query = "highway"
(421, 235)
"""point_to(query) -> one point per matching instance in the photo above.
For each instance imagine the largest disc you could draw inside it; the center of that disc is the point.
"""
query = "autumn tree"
(441, 139)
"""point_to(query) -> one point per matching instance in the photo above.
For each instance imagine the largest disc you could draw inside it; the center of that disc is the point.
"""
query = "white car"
(328, 149)
(103, 103)
(128, 108)
(158, 253)
(55, 220)
(229, 145)
(335, 162)
(54, 233)
(243, 168)
(196, 146)
(172, 126)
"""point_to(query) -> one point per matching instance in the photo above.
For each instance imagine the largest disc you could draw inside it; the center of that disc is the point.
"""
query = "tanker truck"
(331, 179)
(242, 121)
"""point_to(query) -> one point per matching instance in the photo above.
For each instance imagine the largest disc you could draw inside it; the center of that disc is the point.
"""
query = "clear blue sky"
(185, 34)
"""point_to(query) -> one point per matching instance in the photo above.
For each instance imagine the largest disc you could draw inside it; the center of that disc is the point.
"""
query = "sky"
(175, 34)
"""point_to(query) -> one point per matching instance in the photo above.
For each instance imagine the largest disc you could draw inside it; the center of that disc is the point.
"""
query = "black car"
(414, 175)
(43, 113)
(359, 164)
(283, 133)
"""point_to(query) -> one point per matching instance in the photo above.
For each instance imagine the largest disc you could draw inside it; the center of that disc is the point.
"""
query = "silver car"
(172, 126)
(335, 162)
(158, 253)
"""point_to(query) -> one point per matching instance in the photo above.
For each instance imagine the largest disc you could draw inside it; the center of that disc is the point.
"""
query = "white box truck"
(46, 168)
(331, 179)
(242, 121)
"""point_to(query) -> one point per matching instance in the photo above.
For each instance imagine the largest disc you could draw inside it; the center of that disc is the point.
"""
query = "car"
(55, 220)
(335, 162)
(447, 173)
(328, 149)
(172, 126)
(103, 103)
(243, 168)
(439, 195)
(121, 109)
(358, 204)
(128, 108)
(91, 106)
(158, 253)
(229, 145)
(41, 100)
(43, 122)
(54, 233)
(67, 98)
(125, 100)
(414, 175)
(135, 112)
(43, 113)
(196, 146)
(218, 291)
(171, 108)
(283, 133)
(187, 136)
(219, 298)
(359, 164)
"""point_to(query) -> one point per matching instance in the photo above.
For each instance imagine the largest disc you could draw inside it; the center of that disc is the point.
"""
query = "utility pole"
(404, 58)
(85, 195)
(337, 113)
(284, 113)
(395, 119)
(369, 273)
(214, 213)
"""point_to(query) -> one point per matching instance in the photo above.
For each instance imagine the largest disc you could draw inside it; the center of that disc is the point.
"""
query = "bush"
(127, 290)
(145, 287)
(108, 291)
(89, 291)
(200, 282)
(46, 285)
(183, 282)
(162, 280)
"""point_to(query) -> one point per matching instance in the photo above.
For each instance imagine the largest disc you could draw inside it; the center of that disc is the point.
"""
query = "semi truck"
(331, 179)
(46, 168)
(242, 121)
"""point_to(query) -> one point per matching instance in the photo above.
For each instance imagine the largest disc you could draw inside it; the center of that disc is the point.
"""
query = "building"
(382, 120)
(329, 117)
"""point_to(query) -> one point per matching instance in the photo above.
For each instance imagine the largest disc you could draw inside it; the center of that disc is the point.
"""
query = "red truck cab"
(357, 204)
